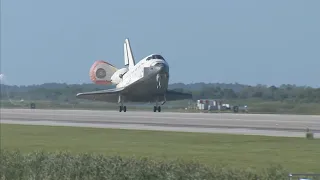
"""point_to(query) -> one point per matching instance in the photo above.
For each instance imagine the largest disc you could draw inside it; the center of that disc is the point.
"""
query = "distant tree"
(64, 92)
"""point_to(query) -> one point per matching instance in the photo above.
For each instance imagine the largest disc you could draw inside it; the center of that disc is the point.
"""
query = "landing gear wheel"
(123, 108)
(156, 108)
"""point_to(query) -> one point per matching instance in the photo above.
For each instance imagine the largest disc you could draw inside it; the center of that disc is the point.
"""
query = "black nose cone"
(162, 67)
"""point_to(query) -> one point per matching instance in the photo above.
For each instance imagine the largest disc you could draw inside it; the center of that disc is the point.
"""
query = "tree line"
(291, 93)
(65, 92)
(267, 93)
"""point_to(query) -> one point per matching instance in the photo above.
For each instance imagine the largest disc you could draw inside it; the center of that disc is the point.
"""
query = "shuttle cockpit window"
(155, 57)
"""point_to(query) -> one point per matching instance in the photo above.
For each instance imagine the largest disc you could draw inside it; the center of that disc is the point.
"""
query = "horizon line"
(191, 83)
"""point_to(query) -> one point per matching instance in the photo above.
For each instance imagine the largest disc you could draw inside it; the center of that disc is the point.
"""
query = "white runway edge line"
(165, 121)
(238, 131)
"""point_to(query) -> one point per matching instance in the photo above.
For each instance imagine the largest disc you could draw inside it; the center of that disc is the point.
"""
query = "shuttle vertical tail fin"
(128, 56)
(126, 60)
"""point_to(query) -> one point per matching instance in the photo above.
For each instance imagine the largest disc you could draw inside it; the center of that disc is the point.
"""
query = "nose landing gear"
(158, 81)
(156, 108)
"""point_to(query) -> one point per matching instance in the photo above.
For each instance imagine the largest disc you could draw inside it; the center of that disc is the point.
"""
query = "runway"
(253, 124)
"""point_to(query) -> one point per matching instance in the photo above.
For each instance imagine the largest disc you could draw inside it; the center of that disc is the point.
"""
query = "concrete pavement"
(257, 124)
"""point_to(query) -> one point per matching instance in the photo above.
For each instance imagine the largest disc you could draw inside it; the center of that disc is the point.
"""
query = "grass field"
(295, 154)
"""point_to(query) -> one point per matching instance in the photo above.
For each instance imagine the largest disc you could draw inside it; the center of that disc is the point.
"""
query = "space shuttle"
(141, 82)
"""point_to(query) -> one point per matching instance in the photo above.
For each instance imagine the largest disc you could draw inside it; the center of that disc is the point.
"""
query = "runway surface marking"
(257, 124)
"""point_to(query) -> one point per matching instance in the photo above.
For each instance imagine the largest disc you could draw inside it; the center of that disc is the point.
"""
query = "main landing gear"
(122, 108)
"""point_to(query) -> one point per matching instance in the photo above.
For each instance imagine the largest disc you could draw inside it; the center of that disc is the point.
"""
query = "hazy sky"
(250, 42)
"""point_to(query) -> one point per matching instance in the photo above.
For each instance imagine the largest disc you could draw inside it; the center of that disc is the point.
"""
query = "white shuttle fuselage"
(145, 81)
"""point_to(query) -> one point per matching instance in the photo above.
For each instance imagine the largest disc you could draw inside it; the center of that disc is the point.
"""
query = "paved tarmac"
(255, 124)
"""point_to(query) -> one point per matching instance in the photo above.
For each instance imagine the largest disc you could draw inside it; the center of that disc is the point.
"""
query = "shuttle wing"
(112, 95)
(108, 95)
(175, 96)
